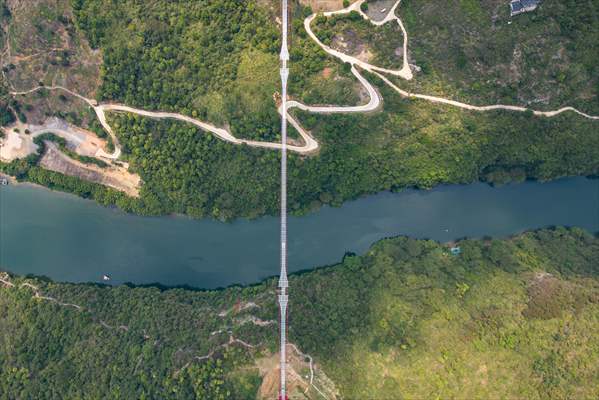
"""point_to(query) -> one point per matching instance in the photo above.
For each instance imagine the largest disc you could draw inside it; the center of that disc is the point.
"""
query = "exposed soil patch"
(115, 177)
(300, 382)
(550, 296)
(350, 43)
(19, 139)
(269, 370)
(15, 144)
(323, 5)
(44, 46)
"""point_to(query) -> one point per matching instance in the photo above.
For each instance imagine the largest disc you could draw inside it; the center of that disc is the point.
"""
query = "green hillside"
(474, 51)
(513, 318)
(216, 60)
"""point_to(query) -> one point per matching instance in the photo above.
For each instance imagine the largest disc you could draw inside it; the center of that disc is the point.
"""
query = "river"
(70, 239)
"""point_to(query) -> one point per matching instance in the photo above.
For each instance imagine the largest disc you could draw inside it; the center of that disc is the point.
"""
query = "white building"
(522, 6)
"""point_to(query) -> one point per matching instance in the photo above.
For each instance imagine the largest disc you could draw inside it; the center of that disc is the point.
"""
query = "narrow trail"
(406, 73)
(64, 89)
(37, 294)
(310, 144)
(495, 107)
(232, 340)
(5, 280)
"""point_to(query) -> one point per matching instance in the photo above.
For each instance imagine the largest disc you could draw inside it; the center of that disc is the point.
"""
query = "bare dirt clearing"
(15, 145)
(114, 177)
(349, 43)
(19, 143)
(43, 45)
(378, 10)
(305, 380)
(323, 5)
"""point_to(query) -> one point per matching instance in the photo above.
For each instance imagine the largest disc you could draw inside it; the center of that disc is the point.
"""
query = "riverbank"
(438, 140)
(491, 315)
(9, 179)
(71, 239)
(453, 247)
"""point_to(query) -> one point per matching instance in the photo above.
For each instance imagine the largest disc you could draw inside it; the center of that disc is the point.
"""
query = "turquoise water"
(71, 239)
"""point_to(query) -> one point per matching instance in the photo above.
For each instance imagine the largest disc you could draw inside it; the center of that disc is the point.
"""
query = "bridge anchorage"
(283, 297)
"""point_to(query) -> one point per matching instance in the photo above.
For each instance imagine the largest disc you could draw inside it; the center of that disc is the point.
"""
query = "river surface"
(70, 239)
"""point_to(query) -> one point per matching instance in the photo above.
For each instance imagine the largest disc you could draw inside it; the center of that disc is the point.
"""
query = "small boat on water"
(106, 277)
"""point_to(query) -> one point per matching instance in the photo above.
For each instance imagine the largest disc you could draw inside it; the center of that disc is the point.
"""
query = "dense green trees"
(5, 14)
(217, 61)
(6, 116)
(62, 145)
(193, 57)
(415, 145)
(225, 71)
(405, 320)
(472, 51)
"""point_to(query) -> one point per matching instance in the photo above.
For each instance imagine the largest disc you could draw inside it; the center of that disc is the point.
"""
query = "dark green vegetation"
(469, 52)
(7, 116)
(187, 171)
(62, 145)
(27, 170)
(217, 61)
(413, 144)
(5, 16)
(515, 318)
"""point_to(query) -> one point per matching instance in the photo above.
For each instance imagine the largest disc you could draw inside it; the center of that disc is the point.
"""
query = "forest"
(217, 61)
(506, 318)
(475, 50)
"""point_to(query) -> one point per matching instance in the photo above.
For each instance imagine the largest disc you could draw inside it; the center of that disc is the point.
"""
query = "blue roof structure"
(457, 250)
(520, 6)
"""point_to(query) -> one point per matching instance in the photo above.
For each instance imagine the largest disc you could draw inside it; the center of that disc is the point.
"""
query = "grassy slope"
(422, 324)
(507, 318)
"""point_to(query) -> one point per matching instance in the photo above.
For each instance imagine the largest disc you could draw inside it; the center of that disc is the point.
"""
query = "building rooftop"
(520, 6)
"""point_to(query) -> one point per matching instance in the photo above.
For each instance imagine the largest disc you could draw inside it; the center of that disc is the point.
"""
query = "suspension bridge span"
(283, 283)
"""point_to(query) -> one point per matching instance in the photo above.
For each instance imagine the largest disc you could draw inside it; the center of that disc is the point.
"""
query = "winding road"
(310, 145)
